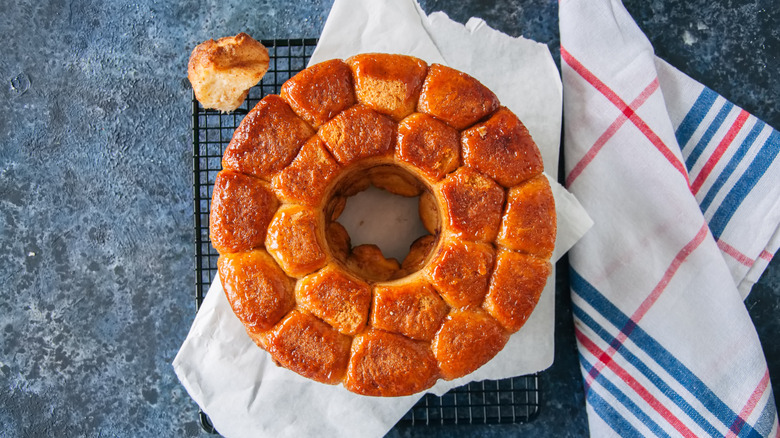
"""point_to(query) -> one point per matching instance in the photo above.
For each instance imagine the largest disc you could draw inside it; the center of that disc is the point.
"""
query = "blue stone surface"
(96, 226)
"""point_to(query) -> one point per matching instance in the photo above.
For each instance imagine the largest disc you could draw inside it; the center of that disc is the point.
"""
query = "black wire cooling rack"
(514, 400)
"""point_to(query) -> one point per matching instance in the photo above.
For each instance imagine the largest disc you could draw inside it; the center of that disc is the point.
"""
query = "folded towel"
(684, 190)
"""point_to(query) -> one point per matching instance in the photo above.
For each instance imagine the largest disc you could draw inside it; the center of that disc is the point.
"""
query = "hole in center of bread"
(378, 233)
(378, 217)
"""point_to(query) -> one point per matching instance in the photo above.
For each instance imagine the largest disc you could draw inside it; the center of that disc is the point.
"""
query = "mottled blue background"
(96, 226)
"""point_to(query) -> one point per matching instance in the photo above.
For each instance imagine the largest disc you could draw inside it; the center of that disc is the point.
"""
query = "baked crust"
(368, 261)
(472, 204)
(307, 178)
(293, 240)
(461, 272)
(467, 339)
(310, 347)
(529, 223)
(221, 72)
(256, 288)
(412, 309)
(337, 298)
(241, 209)
(320, 92)
(455, 97)
(515, 287)
(419, 252)
(429, 145)
(429, 213)
(394, 181)
(502, 148)
(339, 241)
(387, 83)
(358, 133)
(387, 364)
(267, 140)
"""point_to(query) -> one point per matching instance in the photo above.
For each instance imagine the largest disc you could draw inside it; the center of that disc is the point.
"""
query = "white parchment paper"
(237, 384)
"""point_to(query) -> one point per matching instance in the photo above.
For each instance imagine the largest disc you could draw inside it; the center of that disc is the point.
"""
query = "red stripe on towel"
(630, 114)
(719, 151)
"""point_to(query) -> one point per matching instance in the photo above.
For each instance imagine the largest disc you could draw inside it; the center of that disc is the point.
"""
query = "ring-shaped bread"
(337, 314)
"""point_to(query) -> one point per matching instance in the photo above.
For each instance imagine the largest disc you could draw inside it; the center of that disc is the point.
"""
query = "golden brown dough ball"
(222, 72)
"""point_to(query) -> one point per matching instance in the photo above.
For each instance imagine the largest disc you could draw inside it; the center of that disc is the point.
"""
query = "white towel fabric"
(684, 190)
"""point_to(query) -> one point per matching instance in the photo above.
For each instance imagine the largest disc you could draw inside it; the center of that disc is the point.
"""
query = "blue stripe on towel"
(611, 416)
(705, 139)
(637, 363)
(695, 115)
(745, 184)
(732, 165)
(685, 377)
(626, 401)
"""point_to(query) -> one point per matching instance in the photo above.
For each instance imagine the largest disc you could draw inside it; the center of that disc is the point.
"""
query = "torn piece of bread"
(222, 72)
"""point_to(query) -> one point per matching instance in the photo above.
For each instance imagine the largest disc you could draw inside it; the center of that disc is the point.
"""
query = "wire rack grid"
(514, 400)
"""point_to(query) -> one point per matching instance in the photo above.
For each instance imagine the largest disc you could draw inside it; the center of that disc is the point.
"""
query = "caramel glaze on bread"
(341, 314)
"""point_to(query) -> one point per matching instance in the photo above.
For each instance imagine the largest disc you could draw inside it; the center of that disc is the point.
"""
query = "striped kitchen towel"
(731, 160)
(684, 190)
